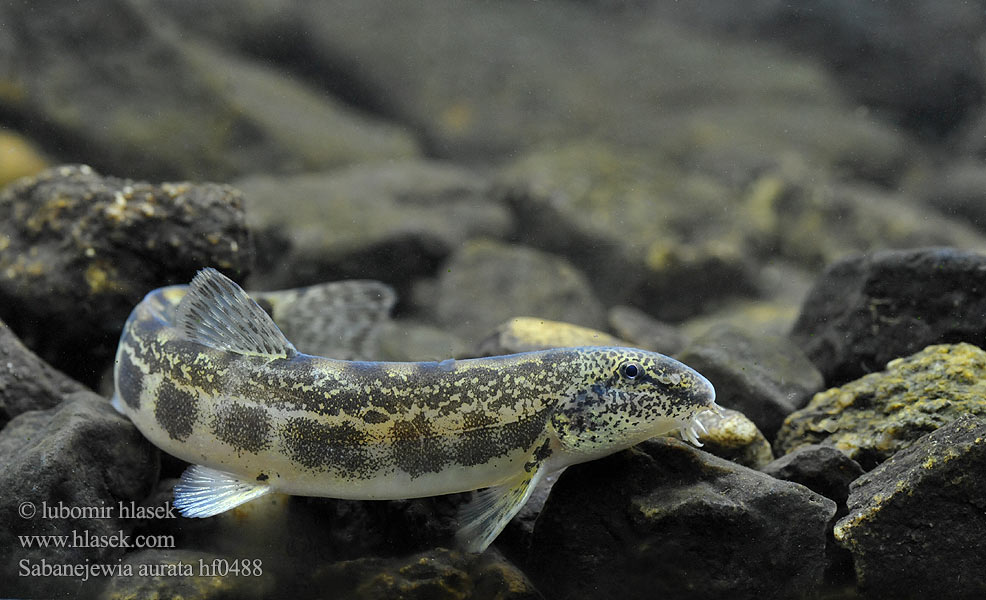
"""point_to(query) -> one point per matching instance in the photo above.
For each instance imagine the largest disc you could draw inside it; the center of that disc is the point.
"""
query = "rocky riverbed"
(790, 198)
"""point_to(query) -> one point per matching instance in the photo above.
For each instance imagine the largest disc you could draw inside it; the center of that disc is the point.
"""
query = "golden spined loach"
(207, 376)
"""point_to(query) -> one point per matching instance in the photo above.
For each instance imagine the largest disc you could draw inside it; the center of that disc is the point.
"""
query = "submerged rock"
(485, 283)
(867, 310)
(434, 575)
(766, 378)
(392, 221)
(82, 456)
(666, 520)
(917, 525)
(80, 250)
(528, 334)
(823, 469)
(733, 436)
(644, 233)
(26, 381)
(829, 472)
(873, 417)
(644, 331)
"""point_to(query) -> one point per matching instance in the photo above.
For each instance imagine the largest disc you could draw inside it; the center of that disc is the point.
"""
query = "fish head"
(625, 396)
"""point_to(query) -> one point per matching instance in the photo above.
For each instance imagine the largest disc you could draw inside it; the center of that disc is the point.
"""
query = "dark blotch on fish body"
(176, 411)
(243, 427)
(129, 381)
(375, 417)
(416, 448)
(321, 447)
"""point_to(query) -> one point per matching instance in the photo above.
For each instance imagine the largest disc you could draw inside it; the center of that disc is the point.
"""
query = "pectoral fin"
(204, 492)
(485, 516)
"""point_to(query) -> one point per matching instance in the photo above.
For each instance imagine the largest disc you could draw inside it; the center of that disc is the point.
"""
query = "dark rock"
(867, 310)
(917, 524)
(529, 334)
(765, 378)
(644, 331)
(121, 86)
(644, 234)
(822, 469)
(485, 283)
(877, 415)
(731, 435)
(829, 472)
(82, 456)
(80, 250)
(666, 520)
(26, 381)
(392, 221)
(437, 574)
(188, 574)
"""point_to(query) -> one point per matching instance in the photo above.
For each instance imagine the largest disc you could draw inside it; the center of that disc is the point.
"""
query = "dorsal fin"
(218, 313)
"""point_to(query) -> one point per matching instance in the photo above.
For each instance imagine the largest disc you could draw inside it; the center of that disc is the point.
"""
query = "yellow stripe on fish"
(207, 376)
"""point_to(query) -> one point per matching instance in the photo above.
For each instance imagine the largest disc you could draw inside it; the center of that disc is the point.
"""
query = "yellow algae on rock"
(873, 417)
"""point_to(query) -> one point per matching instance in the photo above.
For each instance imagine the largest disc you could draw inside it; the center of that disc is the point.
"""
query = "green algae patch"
(873, 417)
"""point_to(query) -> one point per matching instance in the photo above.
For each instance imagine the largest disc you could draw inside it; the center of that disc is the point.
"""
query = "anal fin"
(204, 492)
(485, 516)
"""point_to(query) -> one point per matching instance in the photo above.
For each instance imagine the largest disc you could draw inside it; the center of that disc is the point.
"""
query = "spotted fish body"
(207, 376)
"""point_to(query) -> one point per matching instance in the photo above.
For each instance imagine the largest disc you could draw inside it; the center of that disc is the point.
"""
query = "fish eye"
(632, 370)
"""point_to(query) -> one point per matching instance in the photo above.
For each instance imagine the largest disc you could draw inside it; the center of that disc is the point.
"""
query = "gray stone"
(410, 340)
(80, 455)
(121, 85)
(644, 331)
(645, 233)
(390, 221)
(26, 381)
(666, 520)
(765, 378)
(485, 283)
(80, 250)
(866, 310)
(917, 525)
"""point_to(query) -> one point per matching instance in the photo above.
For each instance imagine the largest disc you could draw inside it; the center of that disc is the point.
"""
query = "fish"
(206, 375)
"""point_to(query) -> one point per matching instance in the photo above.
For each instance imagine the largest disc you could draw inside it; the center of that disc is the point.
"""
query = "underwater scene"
(513, 300)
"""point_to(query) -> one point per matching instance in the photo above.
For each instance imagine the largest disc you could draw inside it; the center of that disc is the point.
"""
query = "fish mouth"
(693, 428)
